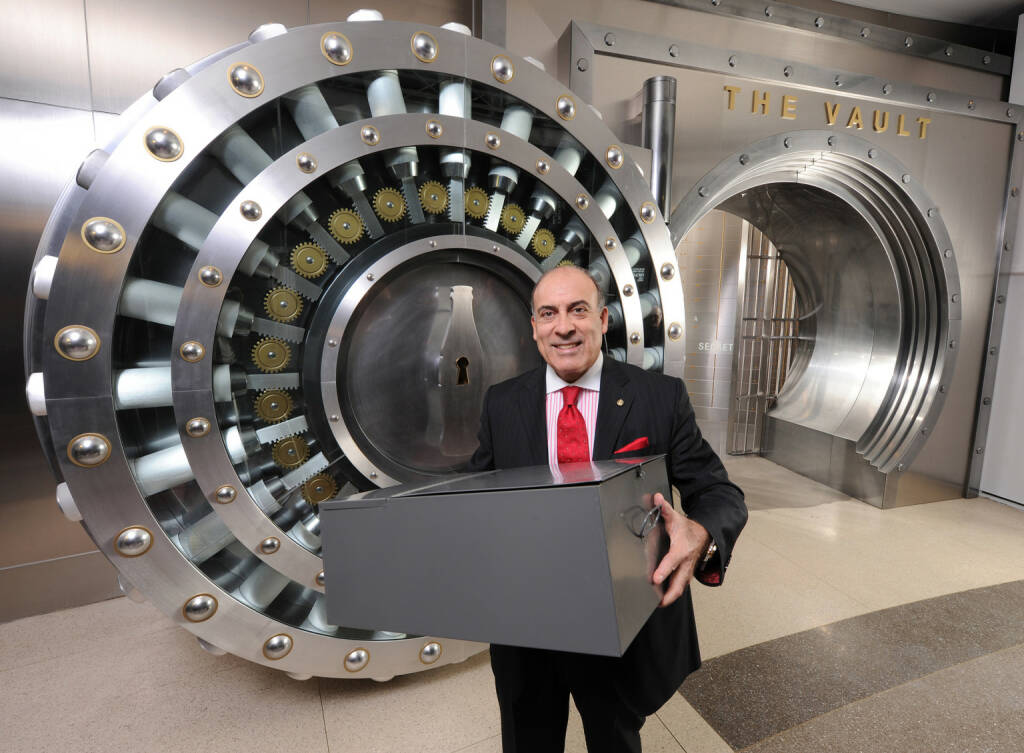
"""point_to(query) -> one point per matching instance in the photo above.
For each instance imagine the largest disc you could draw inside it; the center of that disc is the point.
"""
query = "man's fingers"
(676, 586)
(669, 564)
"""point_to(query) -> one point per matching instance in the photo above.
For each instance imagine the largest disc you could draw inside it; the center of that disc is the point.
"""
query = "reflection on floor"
(816, 642)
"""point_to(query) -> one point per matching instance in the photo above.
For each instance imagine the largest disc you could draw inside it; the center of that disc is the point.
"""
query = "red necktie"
(572, 430)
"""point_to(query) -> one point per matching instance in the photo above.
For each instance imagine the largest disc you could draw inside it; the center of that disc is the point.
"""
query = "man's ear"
(533, 326)
(604, 319)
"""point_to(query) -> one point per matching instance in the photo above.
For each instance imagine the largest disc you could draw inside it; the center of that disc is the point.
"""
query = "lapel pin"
(619, 402)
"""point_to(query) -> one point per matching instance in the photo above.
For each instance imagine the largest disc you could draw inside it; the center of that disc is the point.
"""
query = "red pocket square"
(636, 444)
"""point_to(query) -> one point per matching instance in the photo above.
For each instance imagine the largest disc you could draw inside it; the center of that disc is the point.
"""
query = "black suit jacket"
(513, 433)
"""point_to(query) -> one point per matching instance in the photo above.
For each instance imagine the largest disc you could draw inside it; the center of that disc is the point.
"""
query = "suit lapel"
(612, 408)
(532, 399)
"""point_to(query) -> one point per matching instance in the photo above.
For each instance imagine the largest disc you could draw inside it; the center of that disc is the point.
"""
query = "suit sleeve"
(707, 494)
(483, 458)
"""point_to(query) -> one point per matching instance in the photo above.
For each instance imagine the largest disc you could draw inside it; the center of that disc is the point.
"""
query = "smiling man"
(582, 406)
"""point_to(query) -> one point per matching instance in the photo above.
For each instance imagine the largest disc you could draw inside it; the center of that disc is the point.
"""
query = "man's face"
(567, 324)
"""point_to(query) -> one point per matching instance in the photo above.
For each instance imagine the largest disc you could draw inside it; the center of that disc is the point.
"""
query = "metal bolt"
(369, 135)
(133, 541)
(732, 61)
(744, 159)
(225, 494)
(986, 401)
(787, 71)
(1000, 299)
(250, 210)
(993, 350)
(270, 545)
(89, 450)
(702, 191)
(980, 451)
(970, 104)
(103, 235)
(320, 579)
(887, 89)
(502, 69)
(565, 106)
(908, 42)
(246, 80)
(163, 143)
(277, 646)
(582, 64)
(787, 142)
(199, 608)
(949, 52)
(673, 50)
(837, 81)
(424, 46)
(430, 652)
(77, 342)
(609, 39)
(357, 659)
(192, 351)
(615, 156)
(930, 96)
(197, 427)
(306, 162)
(986, 60)
(211, 277)
(865, 32)
(492, 140)
(956, 298)
(768, 12)
(336, 48)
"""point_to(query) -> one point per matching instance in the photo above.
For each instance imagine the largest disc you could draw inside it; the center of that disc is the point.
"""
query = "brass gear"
(273, 406)
(271, 354)
(433, 197)
(290, 452)
(345, 226)
(309, 260)
(283, 305)
(566, 263)
(543, 243)
(477, 202)
(513, 219)
(319, 489)
(389, 204)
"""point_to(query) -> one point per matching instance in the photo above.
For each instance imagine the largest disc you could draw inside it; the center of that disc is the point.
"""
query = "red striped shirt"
(586, 403)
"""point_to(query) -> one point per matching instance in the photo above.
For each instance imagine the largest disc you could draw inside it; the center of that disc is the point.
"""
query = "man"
(579, 407)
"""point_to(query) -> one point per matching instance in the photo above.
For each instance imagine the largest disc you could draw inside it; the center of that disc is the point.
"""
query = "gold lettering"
(831, 111)
(789, 107)
(900, 130)
(733, 91)
(855, 121)
(761, 102)
(923, 122)
(883, 124)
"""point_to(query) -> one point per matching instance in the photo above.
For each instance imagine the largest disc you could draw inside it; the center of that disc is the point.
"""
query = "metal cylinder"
(658, 123)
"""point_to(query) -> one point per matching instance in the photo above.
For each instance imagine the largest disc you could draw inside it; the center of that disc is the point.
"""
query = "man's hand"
(687, 540)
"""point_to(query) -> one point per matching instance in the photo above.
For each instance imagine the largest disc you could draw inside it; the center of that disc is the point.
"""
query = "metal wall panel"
(43, 55)
(132, 44)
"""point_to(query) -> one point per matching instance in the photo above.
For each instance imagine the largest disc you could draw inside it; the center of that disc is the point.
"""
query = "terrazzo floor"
(839, 628)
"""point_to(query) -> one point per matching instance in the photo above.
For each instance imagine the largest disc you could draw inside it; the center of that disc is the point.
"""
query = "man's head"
(569, 319)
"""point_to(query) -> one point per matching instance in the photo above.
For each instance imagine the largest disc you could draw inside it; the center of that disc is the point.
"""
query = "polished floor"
(840, 628)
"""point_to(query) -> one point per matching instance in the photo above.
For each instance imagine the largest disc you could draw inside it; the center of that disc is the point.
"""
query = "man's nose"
(564, 325)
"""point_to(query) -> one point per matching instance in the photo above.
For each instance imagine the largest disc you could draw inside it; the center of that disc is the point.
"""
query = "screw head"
(732, 61)
(424, 46)
(199, 608)
(197, 427)
(320, 579)
(627, 290)
(970, 104)
(369, 135)
(865, 32)
(908, 42)
(492, 140)
(906, 177)
(634, 337)
(306, 162)
(250, 210)
(787, 142)
(133, 541)
(103, 235)
(210, 276)
(163, 143)
(673, 50)
(430, 652)
(278, 646)
(89, 450)
(614, 156)
(930, 96)
(675, 331)
(610, 244)
(667, 271)
(956, 298)
(246, 80)
(819, 22)
(648, 212)
(887, 89)
(270, 545)
(565, 106)
(503, 70)
(76, 342)
(582, 201)
(192, 351)
(225, 494)
(744, 159)
(986, 401)
(609, 39)
(357, 659)
(582, 64)
(787, 71)
(543, 167)
(336, 48)
(702, 191)
(434, 129)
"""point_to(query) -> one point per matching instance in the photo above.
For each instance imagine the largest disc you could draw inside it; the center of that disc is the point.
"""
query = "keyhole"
(462, 364)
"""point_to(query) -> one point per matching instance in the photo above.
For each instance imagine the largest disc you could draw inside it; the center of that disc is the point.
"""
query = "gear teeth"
(290, 452)
(273, 406)
(477, 202)
(319, 489)
(309, 260)
(543, 243)
(566, 263)
(389, 204)
(513, 219)
(283, 305)
(345, 226)
(433, 197)
(271, 355)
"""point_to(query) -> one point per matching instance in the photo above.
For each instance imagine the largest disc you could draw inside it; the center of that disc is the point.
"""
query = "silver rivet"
(492, 140)
(634, 337)
(432, 244)
(103, 235)
(673, 50)
(980, 451)
(245, 80)
(614, 156)
(908, 42)
(565, 106)
(865, 32)
(716, 2)
(648, 212)
(225, 494)
(582, 64)
(371, 276)
(610, 244)
(192, 351)
(627, 290)
(744, 159)
(306, 162)
(373, 474)
(819, 21)
(930, 96)
(434, 129)
(906, 177)
(956, 298)
(199, 608)
(948, 253)
(1000, 299)
(1009, 112)
(332, 343)
(986, 60)
(667, 270)
(887, 89)
(335, 418)
(543, 167)
(270, 545)
(609, 39)
(320, 579)
(986, 401)
(336, 48)
(702, 191)
(582, 201)
(932, 211)
(675, 331)
(1020, 136)
(210, 276)
(787, 71)
(787, 142)
(993, 350)
(502, 69)
(197, 427)
(76, 342)
(952, 344)
(424, 46)
(89, 450)
(495, 249)
(837, 81)
(942, 389)
(277, 646)
(831, 141)
(163, 143)
(768, 12)
(899, 466)
(872, 153)
(732, 61)
(133, 541)
(250, 210)
(970, 104)
(356, 659)
(369, 135)
(430, 652)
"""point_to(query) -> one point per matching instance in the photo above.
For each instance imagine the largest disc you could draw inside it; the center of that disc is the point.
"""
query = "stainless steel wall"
(67, 67)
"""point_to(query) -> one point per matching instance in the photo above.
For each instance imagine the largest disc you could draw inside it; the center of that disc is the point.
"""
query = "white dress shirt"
(586, 403)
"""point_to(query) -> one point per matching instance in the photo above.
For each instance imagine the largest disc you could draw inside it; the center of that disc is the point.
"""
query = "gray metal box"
(521, 557)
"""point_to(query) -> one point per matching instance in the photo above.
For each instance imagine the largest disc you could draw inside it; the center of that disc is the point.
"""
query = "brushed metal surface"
(43, 55)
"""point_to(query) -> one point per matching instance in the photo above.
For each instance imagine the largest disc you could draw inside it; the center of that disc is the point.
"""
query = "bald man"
(613, 410)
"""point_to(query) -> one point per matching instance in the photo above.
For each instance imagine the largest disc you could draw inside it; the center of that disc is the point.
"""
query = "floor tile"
(689, 728)
(654, 735)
